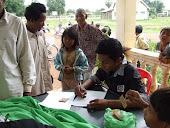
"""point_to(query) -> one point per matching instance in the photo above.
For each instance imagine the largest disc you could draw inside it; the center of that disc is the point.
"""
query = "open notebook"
(91, 95)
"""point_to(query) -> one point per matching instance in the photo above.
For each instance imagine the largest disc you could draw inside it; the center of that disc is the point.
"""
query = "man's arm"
(25, 58)
(95, 79)
(104, 103)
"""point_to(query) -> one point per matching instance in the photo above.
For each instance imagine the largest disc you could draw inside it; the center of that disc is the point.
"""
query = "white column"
(126, 22)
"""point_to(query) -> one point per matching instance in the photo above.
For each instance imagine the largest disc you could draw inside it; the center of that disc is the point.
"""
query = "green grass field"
(149, 26)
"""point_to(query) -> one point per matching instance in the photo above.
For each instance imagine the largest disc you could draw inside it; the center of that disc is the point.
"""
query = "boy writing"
(119, 75)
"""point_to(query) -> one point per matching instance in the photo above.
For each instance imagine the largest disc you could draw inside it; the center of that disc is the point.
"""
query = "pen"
(88, 109)
(6, 117)
(91, 110)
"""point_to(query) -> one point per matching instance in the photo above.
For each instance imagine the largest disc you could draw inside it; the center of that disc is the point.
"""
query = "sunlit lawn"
(149, 26)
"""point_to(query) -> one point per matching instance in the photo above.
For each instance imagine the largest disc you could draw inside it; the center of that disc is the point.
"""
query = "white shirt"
(17, 68)
(39, 51)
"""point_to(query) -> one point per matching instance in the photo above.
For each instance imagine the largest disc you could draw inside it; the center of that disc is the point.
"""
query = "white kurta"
(39, 51)
(17, 68)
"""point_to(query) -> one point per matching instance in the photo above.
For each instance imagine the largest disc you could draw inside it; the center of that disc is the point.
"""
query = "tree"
(159, 6)
(156, 6)
(153, 11)
(147, 2)
(56, 5)
(98, 12)
(108, 3)
(87, 11)
(71, 11)
(15, 6)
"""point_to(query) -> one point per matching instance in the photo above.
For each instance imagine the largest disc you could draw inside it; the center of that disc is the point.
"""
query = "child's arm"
(81, 64)
(58, 64)
(135, 98)
(166, 59)
(160, 56)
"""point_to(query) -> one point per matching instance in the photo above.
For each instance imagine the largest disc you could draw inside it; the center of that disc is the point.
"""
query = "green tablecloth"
(27, 107)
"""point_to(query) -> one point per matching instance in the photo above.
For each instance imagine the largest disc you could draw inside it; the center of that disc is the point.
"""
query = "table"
(96, 117)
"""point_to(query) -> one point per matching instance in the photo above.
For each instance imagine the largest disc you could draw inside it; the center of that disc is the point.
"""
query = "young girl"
(70, 60)
(157, 112)
(164, 45)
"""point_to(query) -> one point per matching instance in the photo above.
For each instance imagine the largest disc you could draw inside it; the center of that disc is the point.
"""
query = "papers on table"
(58, 100)
(91, 95)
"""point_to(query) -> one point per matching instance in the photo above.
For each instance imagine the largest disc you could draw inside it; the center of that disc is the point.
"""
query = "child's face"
(151, 118)
(165, 36)
(68, 42)
(107, 64)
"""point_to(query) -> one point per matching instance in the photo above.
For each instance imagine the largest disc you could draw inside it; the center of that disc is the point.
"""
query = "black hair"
(71, 32)
(160, 100)
(81, 10)
(105, 29)
(165, 29)
(34, 11)
(139, 29)
(111, 47)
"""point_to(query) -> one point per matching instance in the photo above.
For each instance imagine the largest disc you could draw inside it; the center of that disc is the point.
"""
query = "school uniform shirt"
(141, 42)
(39, 52)
(89, 37)
(17, 69)
(125, 78)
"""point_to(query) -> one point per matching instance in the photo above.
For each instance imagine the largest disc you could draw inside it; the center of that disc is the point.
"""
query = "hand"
(80, 91)
(67, 69)
(98, 104)
(165, 60)
(27, 94)
(135, 98)
(160, 56)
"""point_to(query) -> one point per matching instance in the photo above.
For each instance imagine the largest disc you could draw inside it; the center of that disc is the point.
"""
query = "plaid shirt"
(88, 39)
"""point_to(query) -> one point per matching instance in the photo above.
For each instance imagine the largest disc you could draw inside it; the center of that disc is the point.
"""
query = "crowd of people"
(25, 70)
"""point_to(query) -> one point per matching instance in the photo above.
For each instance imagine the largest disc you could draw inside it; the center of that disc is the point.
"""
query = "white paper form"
(53, 100)
(91, 95)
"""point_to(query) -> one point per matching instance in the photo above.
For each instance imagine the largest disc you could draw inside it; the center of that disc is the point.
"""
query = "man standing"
(36, 15)
(88, 36)
(17, 69)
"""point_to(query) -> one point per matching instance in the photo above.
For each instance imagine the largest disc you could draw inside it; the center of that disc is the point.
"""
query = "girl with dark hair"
(164, 45)
(157, 112)
(70, 60)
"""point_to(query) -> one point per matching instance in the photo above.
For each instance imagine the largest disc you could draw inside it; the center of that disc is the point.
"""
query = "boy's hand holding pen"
(80, 91)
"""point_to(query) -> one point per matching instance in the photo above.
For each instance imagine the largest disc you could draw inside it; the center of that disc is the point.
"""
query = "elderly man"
(17, 69)
(36, 15)
(88, 36)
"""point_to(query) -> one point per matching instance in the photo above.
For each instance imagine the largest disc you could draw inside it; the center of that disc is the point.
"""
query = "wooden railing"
(147, 57)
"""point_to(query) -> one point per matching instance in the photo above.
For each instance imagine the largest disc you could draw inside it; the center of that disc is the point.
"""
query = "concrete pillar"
(126, 22)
